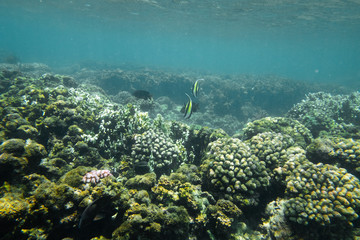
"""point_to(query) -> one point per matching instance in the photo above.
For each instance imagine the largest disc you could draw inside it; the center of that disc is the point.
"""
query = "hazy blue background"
(304, 41)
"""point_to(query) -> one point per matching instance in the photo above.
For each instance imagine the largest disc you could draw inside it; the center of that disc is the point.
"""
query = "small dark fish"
(188, 107)
(142, 94)
(98, 209)
(141, 167)
(196, 87)
(97, 217)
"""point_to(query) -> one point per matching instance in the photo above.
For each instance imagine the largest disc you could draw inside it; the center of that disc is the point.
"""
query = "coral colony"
(95, 175)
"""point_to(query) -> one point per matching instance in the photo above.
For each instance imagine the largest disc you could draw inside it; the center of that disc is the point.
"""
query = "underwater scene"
(180, 119)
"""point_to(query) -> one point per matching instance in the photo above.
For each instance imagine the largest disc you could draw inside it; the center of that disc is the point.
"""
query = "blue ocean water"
(304, 40)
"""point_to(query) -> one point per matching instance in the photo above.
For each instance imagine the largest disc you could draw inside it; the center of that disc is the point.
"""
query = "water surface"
(304, 40)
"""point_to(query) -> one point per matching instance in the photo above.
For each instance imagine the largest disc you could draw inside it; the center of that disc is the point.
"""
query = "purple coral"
(95, 175)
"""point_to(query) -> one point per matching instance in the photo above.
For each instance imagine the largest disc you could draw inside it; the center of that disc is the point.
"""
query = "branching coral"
(326, 114)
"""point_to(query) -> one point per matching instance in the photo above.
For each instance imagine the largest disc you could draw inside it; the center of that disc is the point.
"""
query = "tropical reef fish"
(142, 94)
(141, 167)
(95, 211)
(195, 107)
(98, 215)
(196, 87)
(188, 107)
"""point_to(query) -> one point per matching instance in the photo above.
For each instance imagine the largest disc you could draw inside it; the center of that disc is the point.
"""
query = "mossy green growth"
(14, 146)
(187, 173)
(74, 130)
(171, 191)
(12, 122)
(108, 186)
(34, 151)
(53, 195)
(13, 208)
(34, 233)
(146, 181)
(55, 124)
(223, 218)
(153, 222)
(14, 214)
(74, 177)
(319, 149)
(27, 132)
(10, 165)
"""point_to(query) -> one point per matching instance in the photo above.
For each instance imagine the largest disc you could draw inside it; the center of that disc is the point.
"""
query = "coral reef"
(246, 172)
(146, 181)
(18, 156)
(169, 179)
(343, 152)
(326, 114)
(326, 194)
(153, 222)
(116, 126)
(300, 134)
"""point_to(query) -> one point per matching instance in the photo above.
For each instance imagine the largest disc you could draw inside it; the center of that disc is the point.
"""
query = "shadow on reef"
(70, 158)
